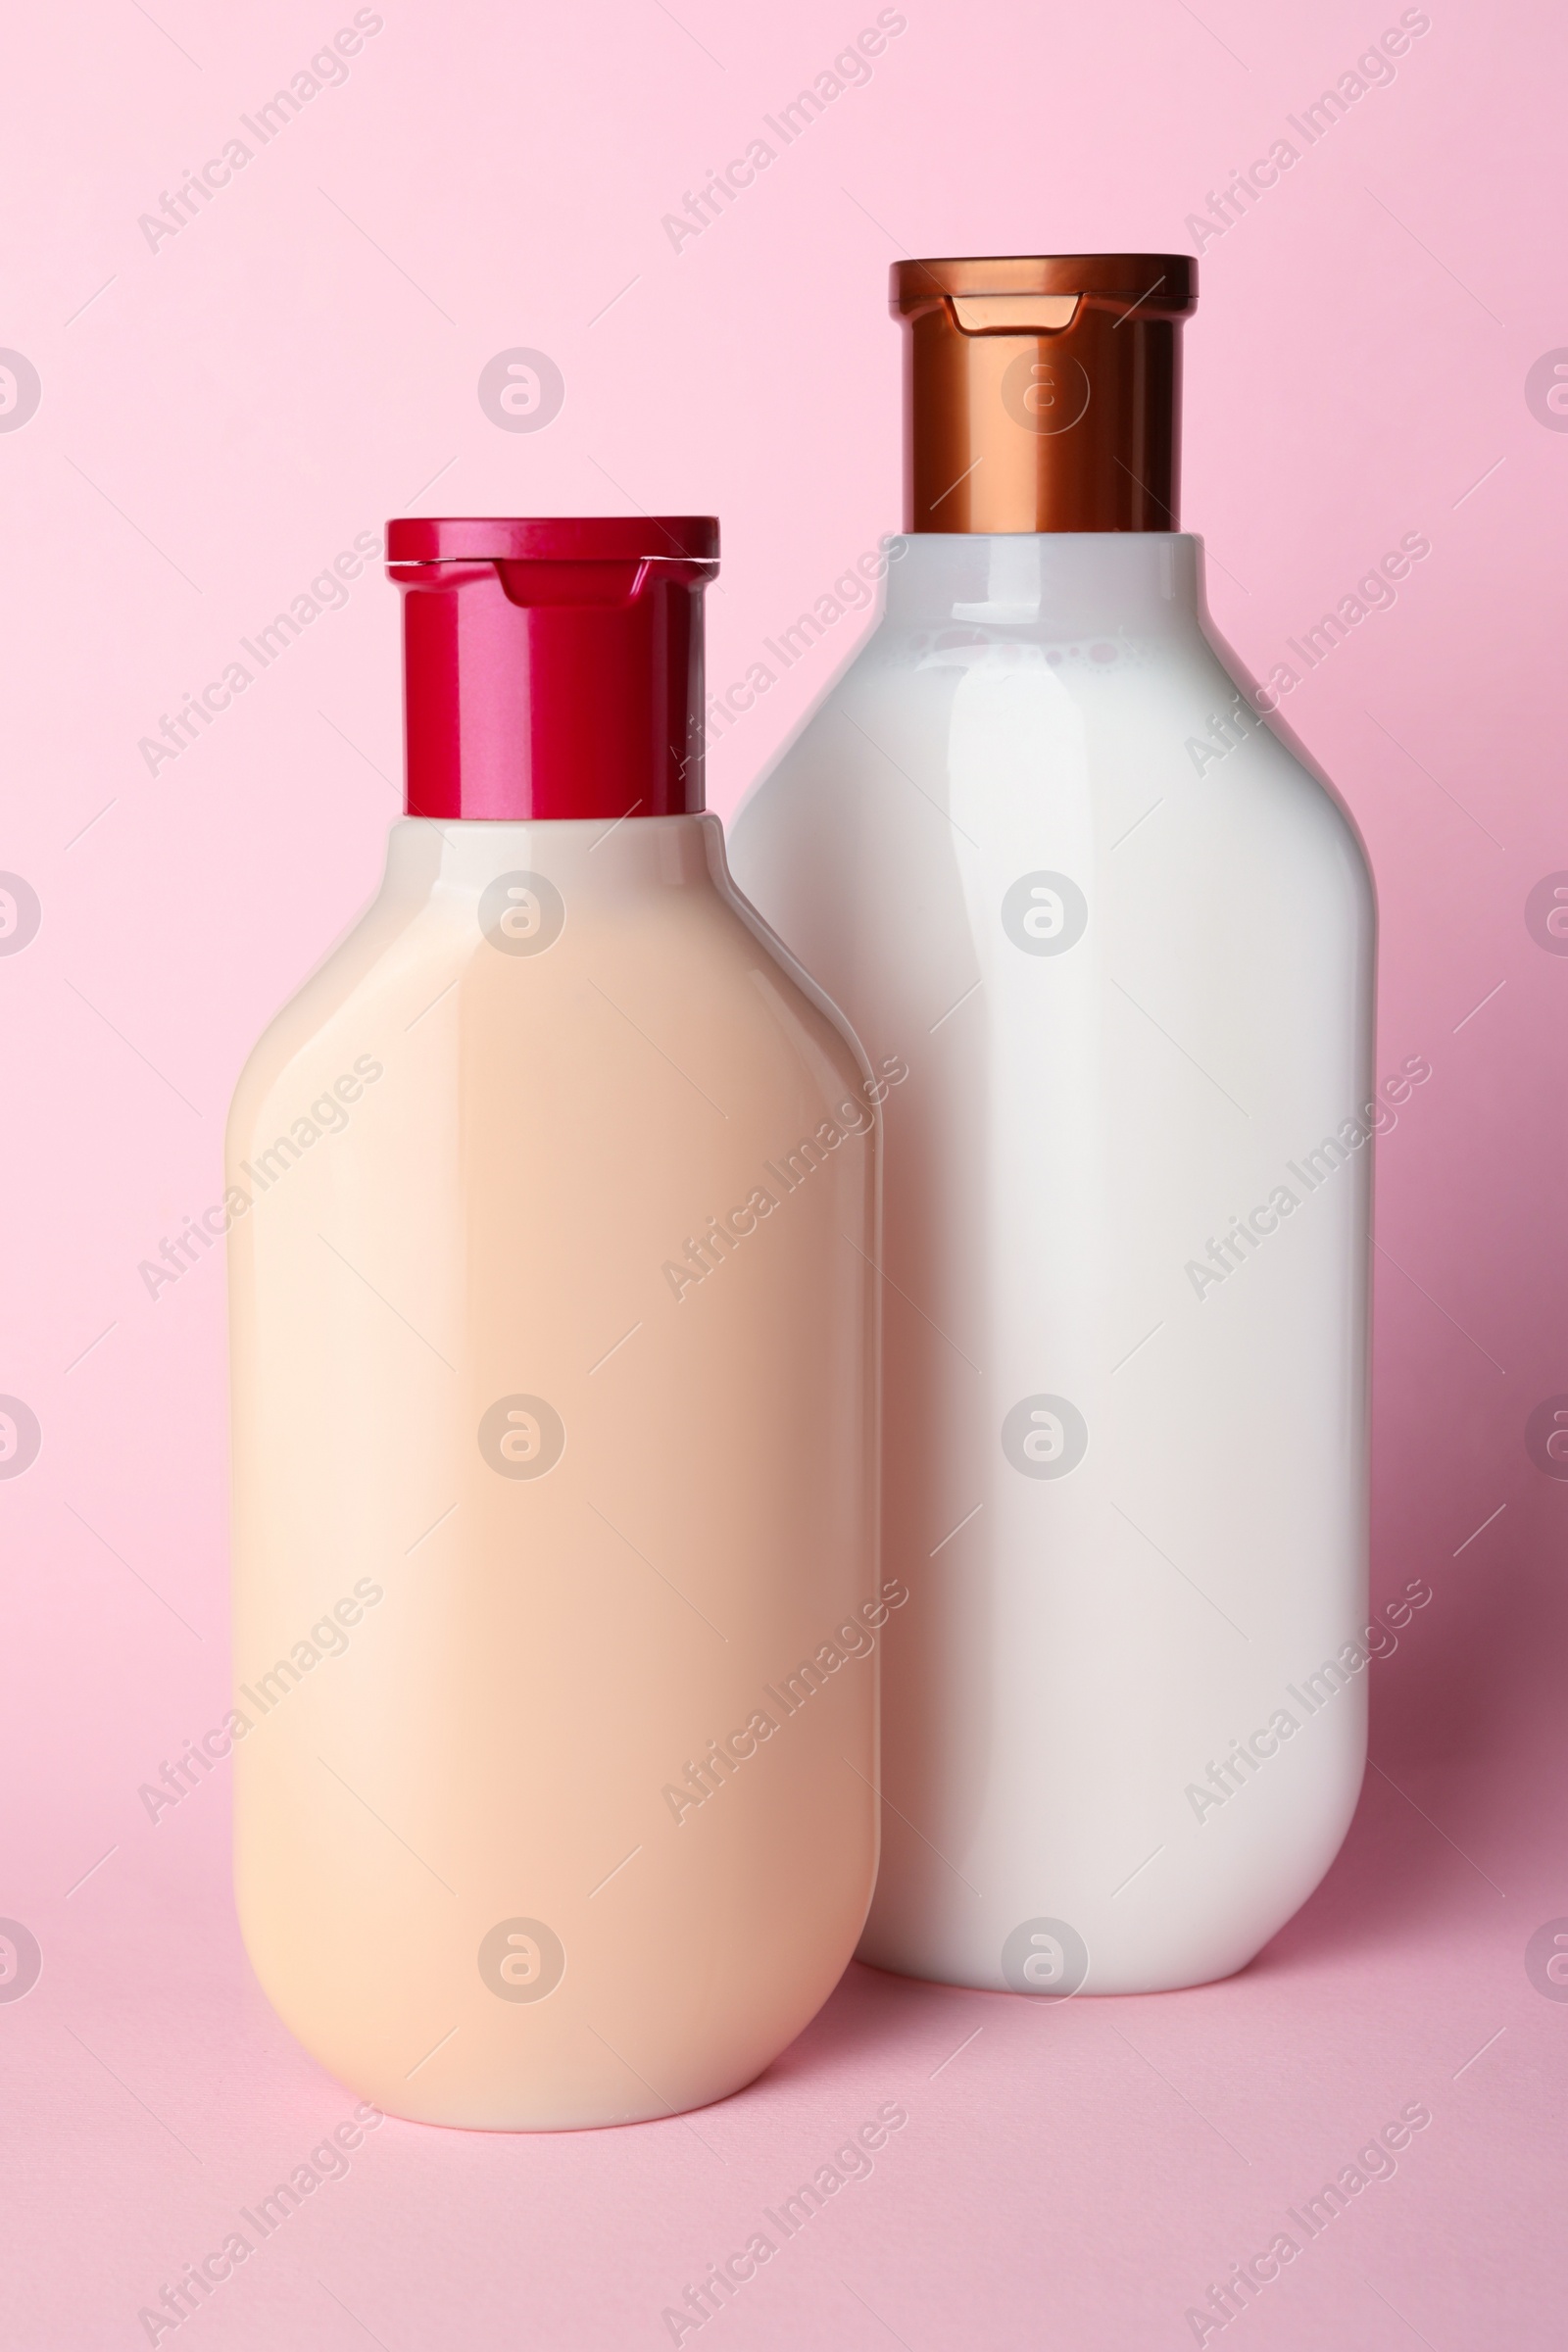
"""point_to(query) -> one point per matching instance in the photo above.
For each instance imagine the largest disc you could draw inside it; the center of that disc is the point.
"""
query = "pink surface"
(222, 411)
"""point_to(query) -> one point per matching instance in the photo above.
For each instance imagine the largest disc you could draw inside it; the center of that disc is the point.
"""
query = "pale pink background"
(219, 420)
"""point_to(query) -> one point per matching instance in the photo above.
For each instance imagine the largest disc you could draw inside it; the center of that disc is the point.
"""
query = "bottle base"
(570, 2078)
(592, 2115)
(1107, 1981)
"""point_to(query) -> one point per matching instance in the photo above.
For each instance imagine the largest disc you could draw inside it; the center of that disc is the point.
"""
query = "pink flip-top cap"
(553, 665)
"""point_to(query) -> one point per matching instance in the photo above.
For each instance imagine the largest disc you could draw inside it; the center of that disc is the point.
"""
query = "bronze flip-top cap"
(1042, 392)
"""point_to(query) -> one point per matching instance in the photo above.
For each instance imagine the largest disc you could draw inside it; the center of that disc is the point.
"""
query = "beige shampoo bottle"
(553, 1202)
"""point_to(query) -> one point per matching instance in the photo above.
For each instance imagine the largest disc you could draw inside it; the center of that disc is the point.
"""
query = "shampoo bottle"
(1039, 842)
(553, 1201)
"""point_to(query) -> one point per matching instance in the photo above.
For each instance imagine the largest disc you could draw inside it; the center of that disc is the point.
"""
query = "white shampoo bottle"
(1039, 844)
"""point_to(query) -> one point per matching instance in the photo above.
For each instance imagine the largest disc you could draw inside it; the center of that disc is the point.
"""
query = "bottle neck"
(560, 862)
(1064, 587)
(541, 689)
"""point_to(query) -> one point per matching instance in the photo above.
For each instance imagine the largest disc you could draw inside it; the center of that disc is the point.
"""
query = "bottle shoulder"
(952, 715)
(529, 955)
